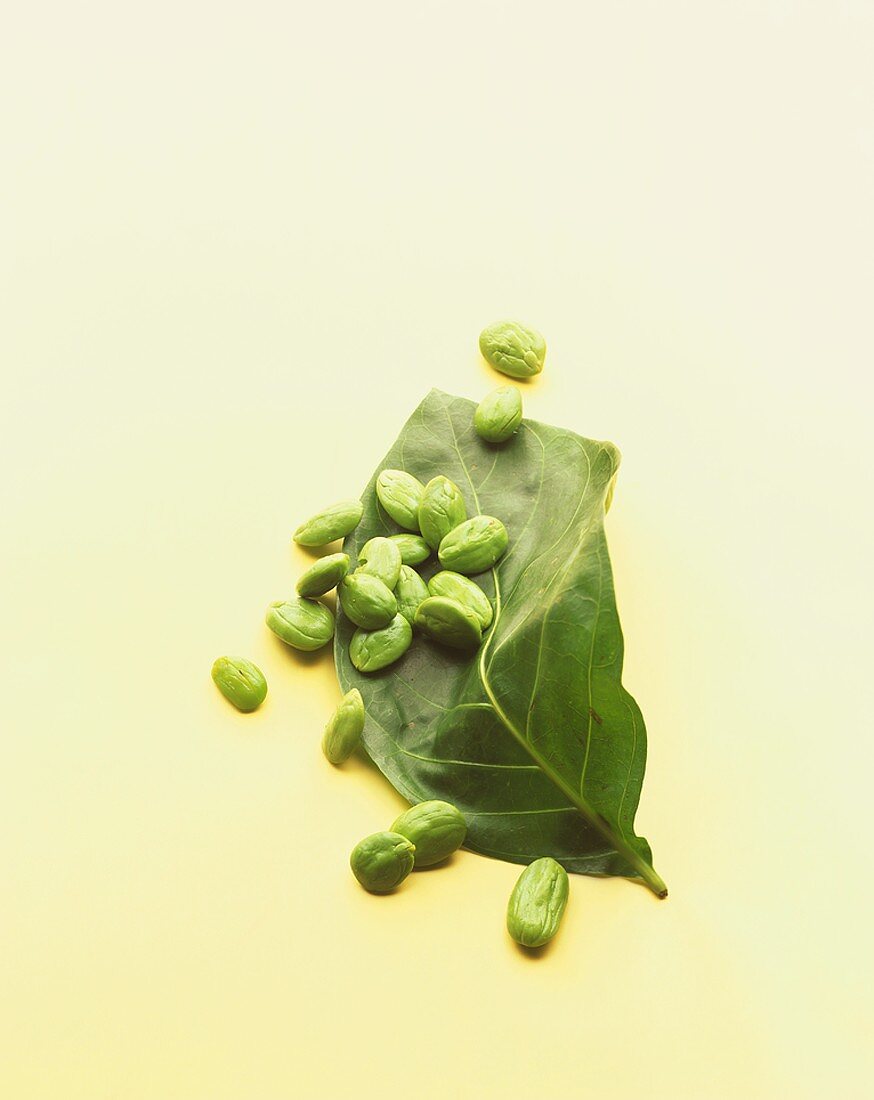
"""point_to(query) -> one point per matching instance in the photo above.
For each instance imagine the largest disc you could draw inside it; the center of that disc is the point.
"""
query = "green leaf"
(533, 737)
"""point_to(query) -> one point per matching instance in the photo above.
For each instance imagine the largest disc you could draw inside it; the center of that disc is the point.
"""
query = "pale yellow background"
(239, 244)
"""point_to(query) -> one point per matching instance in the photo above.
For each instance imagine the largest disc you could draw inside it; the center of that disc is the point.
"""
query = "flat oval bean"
(323, 575)
(371, 650)
(474, 545)
(442, 508)
(410, 591)
(436, 828)
(367, 601)
(513, 349)
(382, 861)
(414, 550)
(537, 903)
(332, 523)
(448, 622)
(400, 493)
(301, 623)
(380, 557)
(499, 414)
(344, 729)
(465, 591)
(241, 682)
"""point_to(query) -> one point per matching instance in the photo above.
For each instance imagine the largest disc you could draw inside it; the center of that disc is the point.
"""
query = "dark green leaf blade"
(533, 738)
